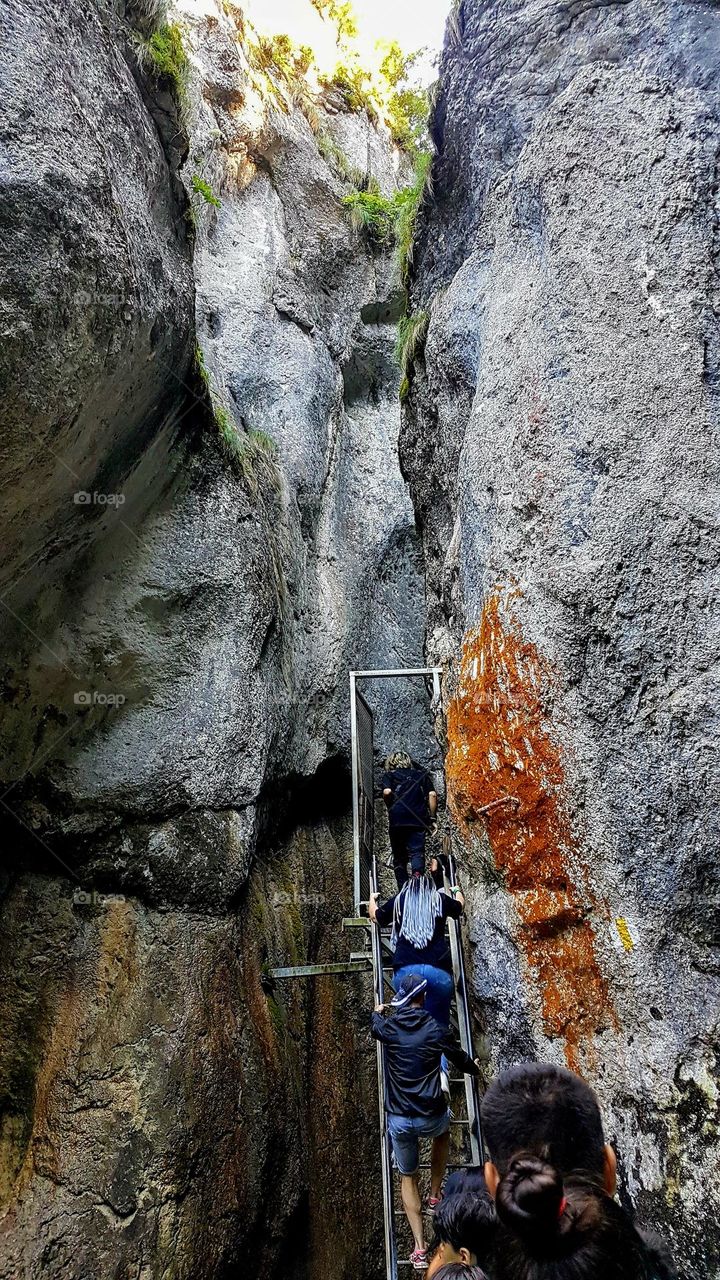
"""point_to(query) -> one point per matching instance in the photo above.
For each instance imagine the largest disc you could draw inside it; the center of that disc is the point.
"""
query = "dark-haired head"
(550, 1112)
(530, 1199)
(464, 1226)
(470, 1178)
(553, 1178)
(556, 1229)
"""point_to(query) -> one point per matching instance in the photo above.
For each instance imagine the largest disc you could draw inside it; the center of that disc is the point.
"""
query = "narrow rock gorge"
(220, 493)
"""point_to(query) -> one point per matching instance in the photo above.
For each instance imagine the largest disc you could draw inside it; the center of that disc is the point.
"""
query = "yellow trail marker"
(624, 933)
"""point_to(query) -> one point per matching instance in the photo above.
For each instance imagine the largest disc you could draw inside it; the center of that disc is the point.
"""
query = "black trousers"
(408, 845)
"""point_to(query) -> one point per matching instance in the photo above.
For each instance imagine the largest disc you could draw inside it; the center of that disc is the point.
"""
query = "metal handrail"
(477, 1145)
(355, 793)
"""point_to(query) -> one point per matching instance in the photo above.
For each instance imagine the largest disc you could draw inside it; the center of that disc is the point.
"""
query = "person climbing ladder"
(418, 915)
(414, 1044)
(411, 799)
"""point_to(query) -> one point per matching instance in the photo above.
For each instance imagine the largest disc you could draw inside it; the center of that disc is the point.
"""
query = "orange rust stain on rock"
(500, 750)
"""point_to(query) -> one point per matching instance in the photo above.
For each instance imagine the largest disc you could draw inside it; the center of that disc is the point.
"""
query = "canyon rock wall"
(176, 641)
(561, 438)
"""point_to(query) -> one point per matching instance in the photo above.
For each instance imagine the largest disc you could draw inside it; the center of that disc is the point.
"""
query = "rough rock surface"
(166, 1110)
(561, 439)
(175, 683)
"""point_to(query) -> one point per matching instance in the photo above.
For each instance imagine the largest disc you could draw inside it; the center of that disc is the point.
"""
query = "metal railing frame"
(382, 674)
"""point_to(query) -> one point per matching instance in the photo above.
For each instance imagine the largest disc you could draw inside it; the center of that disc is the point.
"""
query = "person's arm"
(387, 794)
(380, 913)
(380, 1027)
(452, 1050)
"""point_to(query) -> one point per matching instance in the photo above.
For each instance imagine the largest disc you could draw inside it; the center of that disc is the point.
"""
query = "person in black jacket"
(411, 800)
(414, 1044)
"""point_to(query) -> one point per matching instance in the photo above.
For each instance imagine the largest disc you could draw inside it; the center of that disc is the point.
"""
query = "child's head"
(464, 1225)
(470, 1177)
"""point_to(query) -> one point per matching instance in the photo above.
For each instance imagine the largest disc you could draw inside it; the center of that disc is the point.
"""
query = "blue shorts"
(406, 1132)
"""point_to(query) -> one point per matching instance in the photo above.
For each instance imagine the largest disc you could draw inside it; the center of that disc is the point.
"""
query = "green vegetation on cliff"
(167, 58)
(406, 106)
(411, 335)
(386, 220)
(247, 449)
(203, 188)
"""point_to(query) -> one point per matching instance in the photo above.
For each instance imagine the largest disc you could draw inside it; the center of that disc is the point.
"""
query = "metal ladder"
(366, 879)
(461, 1024)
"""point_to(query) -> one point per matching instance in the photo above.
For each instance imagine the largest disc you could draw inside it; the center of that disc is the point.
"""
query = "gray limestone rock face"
(285, 569)
(561, 438)
(97, 292)
(176, 646)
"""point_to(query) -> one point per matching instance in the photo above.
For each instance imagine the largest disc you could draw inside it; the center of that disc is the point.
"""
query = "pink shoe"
(432, 1203)
(419, 1259)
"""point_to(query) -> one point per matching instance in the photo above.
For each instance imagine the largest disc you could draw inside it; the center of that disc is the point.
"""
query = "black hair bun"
(530, 1197)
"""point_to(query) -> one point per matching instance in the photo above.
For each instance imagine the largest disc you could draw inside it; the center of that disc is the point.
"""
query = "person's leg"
(416, 850)
(438, 996)
(406, 1149)
(412, 1205)
(438, 1163)
(398, 846)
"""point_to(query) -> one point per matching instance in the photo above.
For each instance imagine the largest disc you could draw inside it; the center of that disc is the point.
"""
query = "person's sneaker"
(432, 1203)
(419, 1260)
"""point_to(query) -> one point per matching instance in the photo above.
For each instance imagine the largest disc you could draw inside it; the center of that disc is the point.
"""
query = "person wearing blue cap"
(416, 1108)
